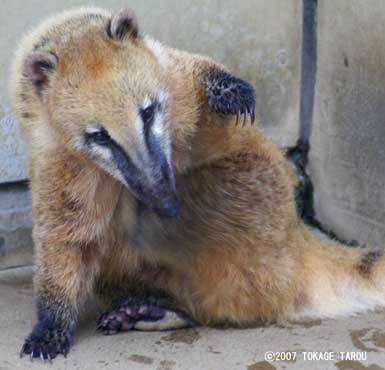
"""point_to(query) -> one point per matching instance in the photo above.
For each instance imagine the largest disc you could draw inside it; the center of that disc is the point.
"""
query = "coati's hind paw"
(230, 95)
(46, 344)
(141, 314)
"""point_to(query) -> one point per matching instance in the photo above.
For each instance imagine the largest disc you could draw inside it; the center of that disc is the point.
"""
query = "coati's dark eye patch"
(148, 114)
(98, 136)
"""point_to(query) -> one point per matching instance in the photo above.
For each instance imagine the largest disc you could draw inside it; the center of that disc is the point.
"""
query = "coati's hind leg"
(230, 95)
(134, 299)
(150, 311)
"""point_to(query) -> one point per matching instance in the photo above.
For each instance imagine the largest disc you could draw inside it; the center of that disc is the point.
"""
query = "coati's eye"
(148, 114)
(98, 136)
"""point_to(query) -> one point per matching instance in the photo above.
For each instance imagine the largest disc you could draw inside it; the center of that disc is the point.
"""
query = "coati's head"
(102, 89)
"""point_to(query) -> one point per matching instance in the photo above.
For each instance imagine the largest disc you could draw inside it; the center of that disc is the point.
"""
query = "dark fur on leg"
(230, 95)
(151, 312)
(52, 335)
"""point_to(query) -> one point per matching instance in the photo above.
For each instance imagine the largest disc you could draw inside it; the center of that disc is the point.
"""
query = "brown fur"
(236, 253)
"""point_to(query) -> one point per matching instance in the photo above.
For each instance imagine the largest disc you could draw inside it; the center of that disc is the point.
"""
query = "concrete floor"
(192, 349)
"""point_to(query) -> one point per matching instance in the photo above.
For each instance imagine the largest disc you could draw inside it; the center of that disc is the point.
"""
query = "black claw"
(252, 114)
(247, 108)
(244, 118)
(47, 344)
(21, 354)
(238, 117)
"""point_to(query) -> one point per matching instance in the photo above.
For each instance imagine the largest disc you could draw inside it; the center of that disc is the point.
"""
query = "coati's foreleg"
(62, 282)
(68, 249)
(148, 312)
(210, 85)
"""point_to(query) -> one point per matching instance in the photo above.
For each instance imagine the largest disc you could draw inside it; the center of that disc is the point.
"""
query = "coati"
(151, 188)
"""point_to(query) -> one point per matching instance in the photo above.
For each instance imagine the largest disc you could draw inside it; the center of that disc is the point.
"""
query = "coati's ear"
(123, 24)
(38, 65)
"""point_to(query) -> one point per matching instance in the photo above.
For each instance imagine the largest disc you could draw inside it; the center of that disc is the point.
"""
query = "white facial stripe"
(157, 126)
(102, 152)
(161, 134)
(138, 141)
(104, 157)
(146, 103)
(162, 96)
(78, 143)
(93, 129)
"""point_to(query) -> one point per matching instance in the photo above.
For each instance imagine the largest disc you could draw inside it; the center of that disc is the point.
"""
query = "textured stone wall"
(347, 156)
(15, 226)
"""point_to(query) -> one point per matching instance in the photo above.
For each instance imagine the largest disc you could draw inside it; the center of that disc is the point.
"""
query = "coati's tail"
(336, 279)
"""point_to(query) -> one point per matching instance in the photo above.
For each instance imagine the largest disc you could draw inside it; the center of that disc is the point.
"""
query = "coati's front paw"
(230, 95)
(47, 343)
(141, 314)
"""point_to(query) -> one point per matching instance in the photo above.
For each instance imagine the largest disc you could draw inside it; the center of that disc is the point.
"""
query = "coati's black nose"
(168, 207)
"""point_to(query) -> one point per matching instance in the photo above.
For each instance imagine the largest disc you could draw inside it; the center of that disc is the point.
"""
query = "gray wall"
(347, 157)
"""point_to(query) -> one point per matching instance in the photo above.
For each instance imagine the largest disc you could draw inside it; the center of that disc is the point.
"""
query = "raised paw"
(230, 95)
(141, 314)
(46, 344)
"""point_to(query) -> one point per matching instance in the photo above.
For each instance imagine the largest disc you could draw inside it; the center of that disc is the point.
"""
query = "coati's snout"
(153, 182)
(144, 164)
